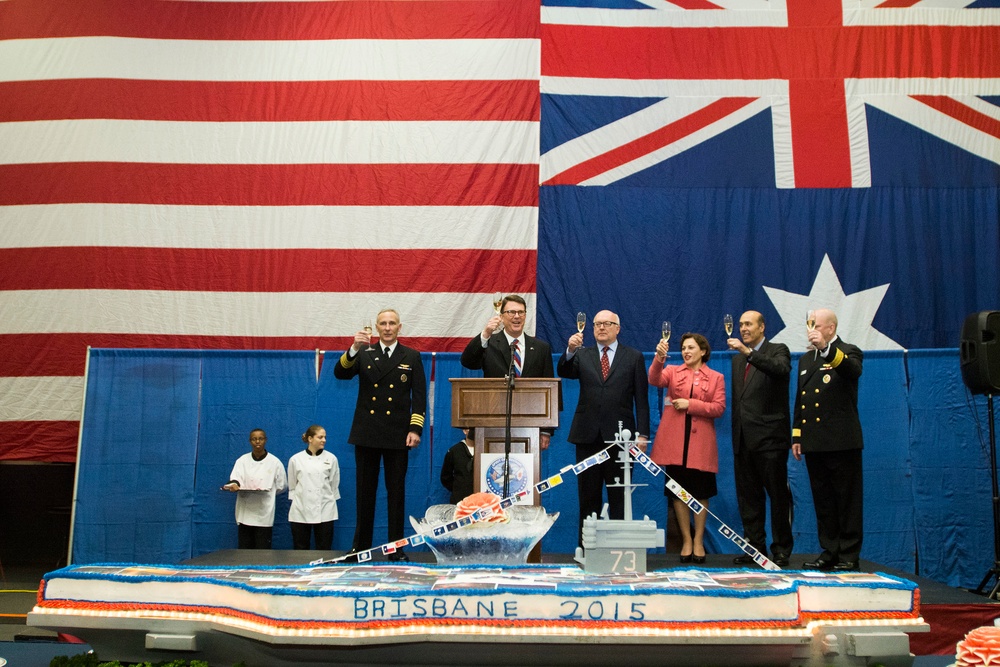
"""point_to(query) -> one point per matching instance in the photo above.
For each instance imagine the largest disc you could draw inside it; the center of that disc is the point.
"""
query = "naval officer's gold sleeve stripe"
(346, 361)
(417, 420)
(796, 433)
(838, 358)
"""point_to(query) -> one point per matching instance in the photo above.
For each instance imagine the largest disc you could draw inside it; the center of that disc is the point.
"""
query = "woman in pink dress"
(685, 441)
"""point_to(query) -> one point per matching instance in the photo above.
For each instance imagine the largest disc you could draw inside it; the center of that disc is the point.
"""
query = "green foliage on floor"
(91, 660)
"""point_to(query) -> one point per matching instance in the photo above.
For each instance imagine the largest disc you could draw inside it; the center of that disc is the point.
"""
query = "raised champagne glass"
(581, 321)
(810, 325)
(367, 328)
(727, 322)
(497, 302)
(665, 332)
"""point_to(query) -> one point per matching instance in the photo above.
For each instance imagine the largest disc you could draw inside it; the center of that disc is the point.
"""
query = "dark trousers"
(368, 461)
(838, 495)
(591, 482)
(253, 537)
(757, 473)
(302, 534)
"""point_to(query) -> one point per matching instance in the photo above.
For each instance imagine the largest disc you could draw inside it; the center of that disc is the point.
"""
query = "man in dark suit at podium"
(762, 436)
(528, 357)
(613, 388)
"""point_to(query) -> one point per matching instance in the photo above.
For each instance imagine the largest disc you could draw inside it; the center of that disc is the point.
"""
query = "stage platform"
(828, 643)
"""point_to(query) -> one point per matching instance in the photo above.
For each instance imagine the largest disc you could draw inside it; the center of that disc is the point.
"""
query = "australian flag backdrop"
(706, 157)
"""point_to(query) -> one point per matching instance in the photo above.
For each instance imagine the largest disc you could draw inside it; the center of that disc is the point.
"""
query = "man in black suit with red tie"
(613, 388)
(826, 429)
(762, 436)
(512, 349)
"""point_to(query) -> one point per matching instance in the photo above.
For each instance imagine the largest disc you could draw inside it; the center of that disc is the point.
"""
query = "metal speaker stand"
(994, 572)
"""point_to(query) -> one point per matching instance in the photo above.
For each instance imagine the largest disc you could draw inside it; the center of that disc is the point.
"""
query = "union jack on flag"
(630, 85)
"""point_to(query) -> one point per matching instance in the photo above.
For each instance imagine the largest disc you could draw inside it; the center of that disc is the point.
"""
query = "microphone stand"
(506, 435)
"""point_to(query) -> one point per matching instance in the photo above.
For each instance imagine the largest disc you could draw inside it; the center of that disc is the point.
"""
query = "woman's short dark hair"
(701, 341)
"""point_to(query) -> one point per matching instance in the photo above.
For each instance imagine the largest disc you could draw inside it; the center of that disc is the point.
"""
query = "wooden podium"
(482, 403)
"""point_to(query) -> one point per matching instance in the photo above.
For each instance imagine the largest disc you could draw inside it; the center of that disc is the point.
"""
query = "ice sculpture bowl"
(485, 543)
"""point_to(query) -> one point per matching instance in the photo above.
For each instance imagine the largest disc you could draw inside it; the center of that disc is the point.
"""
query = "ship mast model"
(619, 545)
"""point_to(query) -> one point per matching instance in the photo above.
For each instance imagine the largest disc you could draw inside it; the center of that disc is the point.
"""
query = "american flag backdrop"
(253, 175)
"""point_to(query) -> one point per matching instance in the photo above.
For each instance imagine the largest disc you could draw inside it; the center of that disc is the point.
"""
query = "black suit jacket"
(760, 417)
(494, 359)
(623, 397)
(392, 396)
(826, 402)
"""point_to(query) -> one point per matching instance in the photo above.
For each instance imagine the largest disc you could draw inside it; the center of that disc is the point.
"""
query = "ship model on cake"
(619, 545)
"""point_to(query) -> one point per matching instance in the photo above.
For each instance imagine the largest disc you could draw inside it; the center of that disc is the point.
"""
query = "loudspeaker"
(979, 352)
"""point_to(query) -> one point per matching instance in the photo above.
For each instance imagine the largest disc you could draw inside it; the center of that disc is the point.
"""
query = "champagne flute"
(368, 330)
(497, 302)
(727, 322)
(665, 332)
(810, 325)
(581, 321)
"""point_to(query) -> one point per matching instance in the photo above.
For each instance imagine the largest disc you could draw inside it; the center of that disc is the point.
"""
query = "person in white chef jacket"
(314, 488)
(257, 477)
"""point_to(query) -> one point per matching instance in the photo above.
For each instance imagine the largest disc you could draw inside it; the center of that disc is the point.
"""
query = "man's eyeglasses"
(605, 325)
(515, 313)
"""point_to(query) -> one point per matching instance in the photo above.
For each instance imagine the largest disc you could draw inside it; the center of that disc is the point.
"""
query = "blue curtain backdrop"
(163, 428)
(135, 486)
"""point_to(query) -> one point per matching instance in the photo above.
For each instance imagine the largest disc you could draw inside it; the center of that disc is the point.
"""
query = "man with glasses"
(513, 350)
(613, 388)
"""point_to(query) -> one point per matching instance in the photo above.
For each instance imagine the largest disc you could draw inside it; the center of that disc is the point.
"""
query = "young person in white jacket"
(314, 488)
(257, 477)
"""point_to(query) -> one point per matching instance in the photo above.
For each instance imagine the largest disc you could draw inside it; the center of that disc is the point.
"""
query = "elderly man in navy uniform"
(388, 422)
(827, 430)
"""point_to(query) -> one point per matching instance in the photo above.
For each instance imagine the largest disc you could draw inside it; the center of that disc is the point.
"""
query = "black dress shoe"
(847, 566)
(743, 560)
(819, 564)
(399, 557)
(686, 559)
(697, 559)
(780, 560)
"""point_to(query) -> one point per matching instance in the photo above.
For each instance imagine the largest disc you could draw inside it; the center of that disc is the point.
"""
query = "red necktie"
(514, 345)
(605, 364)
(746, 372)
